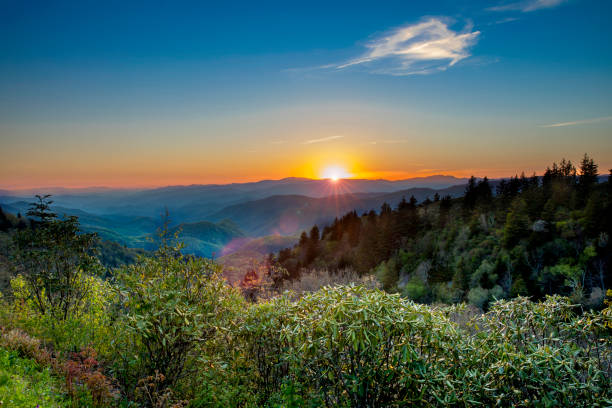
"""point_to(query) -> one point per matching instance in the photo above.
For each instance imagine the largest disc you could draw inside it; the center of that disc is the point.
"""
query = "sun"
(335, 173)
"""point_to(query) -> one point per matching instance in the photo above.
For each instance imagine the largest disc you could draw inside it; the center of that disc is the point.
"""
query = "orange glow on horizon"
(334, 176)
(334, 163)
(335, 173)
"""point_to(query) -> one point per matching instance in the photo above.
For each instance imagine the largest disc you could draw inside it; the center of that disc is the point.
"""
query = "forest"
(523, 236)
(496, 298)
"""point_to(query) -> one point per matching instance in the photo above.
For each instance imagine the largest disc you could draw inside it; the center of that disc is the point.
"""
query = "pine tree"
(40, 210)
(469, 198)
(303, 239)
(588, 174)
(517, 223)
(314, 234)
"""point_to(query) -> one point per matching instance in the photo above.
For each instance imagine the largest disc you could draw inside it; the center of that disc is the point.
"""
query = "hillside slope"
(289, 214)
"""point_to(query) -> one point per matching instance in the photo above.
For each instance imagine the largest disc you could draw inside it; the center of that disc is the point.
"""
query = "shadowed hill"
(289, 214)
(206, 238)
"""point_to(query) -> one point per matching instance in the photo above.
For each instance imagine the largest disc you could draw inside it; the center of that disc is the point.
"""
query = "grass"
(24, 383)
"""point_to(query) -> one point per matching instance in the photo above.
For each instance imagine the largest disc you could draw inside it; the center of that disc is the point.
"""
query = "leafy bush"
(315, 279)
(361, 347)
(51, 257)
(415, 289)
(169, 307)
(353, 346)
(539, 354)
(259, 332)
(88, 324)
(478, 296)
(25, 346)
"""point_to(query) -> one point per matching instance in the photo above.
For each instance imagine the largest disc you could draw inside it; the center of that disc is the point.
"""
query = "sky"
(133, 94)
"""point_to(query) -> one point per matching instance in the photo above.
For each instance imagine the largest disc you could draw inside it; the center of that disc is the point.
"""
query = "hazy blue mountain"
(217, 219)
(206, 238)
(202, 238)
(197, 202)
(289, 214)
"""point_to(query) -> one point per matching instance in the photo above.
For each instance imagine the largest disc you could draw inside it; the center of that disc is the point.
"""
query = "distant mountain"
(268, 207)
(289, 214)
(206, 238)
(201, 238)
(196, 202)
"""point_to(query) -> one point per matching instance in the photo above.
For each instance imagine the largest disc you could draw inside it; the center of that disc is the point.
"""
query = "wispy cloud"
(527, 5)
(323, 139)
(504, 21)
(388, 141)
(578, 122)
(421, 48)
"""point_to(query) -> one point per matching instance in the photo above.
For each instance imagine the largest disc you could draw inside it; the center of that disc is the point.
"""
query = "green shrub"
(539, 354)
(88, 324)
(51, 257)
(360, 347)
(352, 346)
(478, 296)
(170, 306)
(263, 345)
(415, 289)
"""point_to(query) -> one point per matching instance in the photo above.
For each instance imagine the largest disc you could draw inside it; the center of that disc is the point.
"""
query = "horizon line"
(156, 186)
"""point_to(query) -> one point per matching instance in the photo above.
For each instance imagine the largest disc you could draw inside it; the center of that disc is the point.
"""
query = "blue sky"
(101, 92)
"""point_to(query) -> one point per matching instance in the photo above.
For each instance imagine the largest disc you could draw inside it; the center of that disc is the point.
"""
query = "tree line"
(532, 236)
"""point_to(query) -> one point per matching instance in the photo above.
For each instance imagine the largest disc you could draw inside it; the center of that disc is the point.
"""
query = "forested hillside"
(527, 236)
(168, 331)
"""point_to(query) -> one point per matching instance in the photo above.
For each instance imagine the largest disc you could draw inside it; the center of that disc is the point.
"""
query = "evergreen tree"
(484, 194)
(303, 239)
(517, 223)
(445, 206)
(40, 210)
(385, 209)
(588, 174)
(470, 195)
(51, 257)
(314, 234)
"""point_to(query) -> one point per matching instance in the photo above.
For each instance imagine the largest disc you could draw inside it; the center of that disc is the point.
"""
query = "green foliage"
(24, 383)
(51, 258)
(86, 385)
(362, 347)
(542, 354)
(478, 296)
(355, 347)
(387, 274)
(517, 222)
(169, 307)
(89, 322)
(415, 289)
(259, 334)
